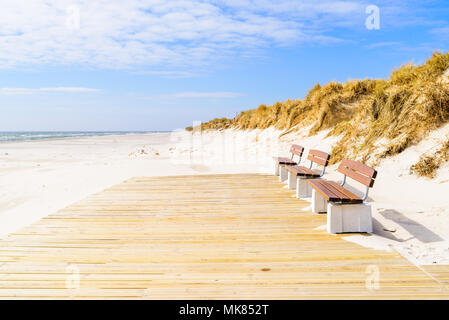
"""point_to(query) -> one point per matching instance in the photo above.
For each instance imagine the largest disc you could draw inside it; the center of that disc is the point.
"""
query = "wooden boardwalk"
(201, 237)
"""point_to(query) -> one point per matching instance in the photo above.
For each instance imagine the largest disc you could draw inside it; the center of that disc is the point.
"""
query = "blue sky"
(159, 65)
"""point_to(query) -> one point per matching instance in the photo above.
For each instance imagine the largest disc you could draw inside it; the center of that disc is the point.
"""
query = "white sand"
(40, 177)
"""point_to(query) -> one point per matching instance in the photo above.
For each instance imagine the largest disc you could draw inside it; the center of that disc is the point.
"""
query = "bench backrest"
(358, 171)
(296, 150)
(319, 157)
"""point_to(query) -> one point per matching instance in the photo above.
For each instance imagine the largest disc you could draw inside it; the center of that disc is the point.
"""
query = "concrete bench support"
(303, 189)
(283, 173)
(349, 218)
(292, 181)
(276, 168)
(319, 203)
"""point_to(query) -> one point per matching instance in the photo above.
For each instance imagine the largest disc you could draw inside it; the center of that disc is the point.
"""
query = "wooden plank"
(200, 237)
(328, 193)
(320, 157)
(360, 167)
(358, 171)
(297, 150)
(302, 171)
(340, 195)
(332, 191)
(367, 181)
(346, 194)
(284, 160)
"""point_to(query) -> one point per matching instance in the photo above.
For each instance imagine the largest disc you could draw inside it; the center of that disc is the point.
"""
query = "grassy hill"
(398, 112)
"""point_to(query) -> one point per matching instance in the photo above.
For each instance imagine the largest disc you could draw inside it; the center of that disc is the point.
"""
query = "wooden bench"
(298, 175)
(281, 162)
(346, 212)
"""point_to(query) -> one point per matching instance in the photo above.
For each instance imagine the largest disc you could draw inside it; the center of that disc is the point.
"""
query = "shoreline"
(75, 137)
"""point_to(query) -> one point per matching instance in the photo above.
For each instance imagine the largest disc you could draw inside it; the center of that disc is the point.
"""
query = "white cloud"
(208, 95)
(173, 74)
(441, 32)
(27, 91)
(16, 91)
(173, 34)
(383, 44)
(69, 89)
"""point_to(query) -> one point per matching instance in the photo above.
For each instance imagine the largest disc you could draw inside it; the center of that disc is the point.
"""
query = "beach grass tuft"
(428, 165)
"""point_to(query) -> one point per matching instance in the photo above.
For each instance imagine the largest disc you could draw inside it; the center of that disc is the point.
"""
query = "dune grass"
(428, 165)
(398, 112)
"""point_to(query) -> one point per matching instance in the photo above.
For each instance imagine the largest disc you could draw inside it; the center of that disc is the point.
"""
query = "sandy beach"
(145, 152)
(42, 177)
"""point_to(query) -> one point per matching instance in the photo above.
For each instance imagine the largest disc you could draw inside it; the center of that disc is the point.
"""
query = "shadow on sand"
(417, 230)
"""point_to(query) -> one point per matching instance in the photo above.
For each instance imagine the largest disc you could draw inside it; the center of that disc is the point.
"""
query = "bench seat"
(284, 160)
(333, 192)
(301, 171)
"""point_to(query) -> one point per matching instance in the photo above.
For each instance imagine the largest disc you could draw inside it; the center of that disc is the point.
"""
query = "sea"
(45, 135)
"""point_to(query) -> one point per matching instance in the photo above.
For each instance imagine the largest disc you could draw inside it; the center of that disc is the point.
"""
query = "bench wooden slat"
(319, 157)
(345, 191)
(319, 154)
(284, 160)
(356, 176)
(338, 191)
(302, 171)
(362, 168)
(333, 192)
(297, 150)
(326, 192)
(358, 171)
